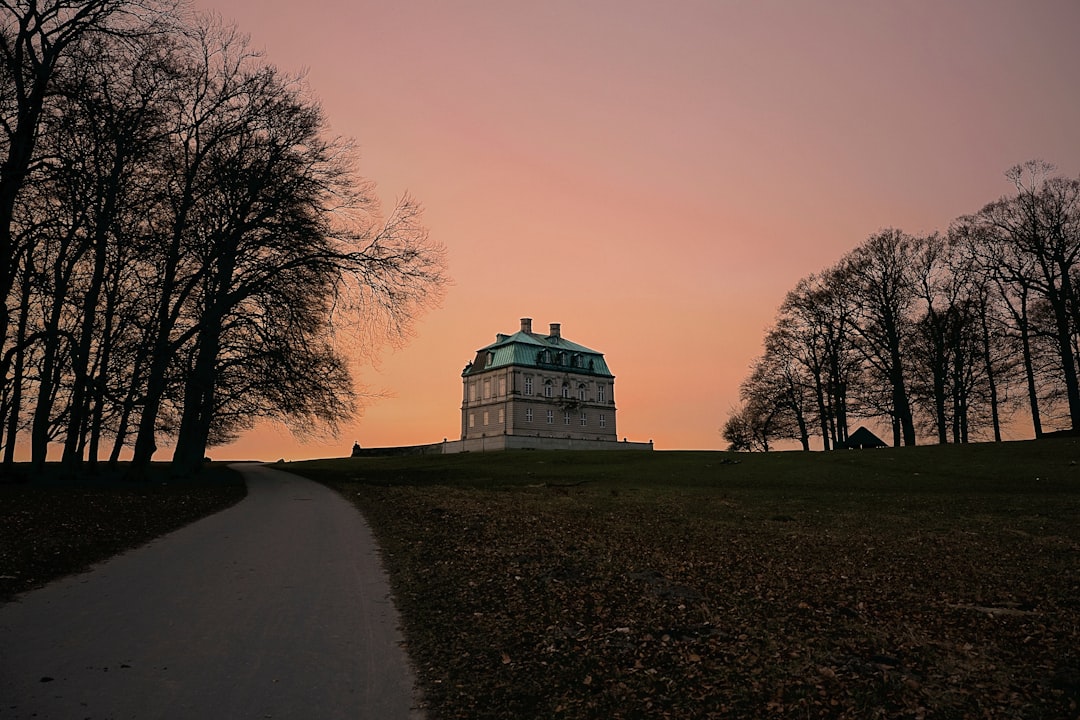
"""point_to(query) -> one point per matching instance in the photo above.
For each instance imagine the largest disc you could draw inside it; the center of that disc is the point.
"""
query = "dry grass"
(931, 582)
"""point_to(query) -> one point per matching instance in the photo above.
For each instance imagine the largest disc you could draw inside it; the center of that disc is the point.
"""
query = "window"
(603, 420)
(601, 393)
(485, 417)
(551, 417)
(566, 418)
(487, 389)
(584, 419)
(528, 414)
(547, 388)
(581, 393)
(472, 420)
(528, 384)
(565, 390)
(502, 416)
(502, 386)
(472, 392)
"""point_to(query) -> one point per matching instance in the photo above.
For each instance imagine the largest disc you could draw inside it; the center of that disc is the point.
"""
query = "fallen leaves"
(662, 605)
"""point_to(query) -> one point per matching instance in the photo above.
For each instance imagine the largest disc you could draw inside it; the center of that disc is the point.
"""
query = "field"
(53, 527)
(936, 582)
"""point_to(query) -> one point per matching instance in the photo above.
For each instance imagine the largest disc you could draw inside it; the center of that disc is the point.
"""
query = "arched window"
(528, 384)
(565, 390)
(547, 388)
(581, 392)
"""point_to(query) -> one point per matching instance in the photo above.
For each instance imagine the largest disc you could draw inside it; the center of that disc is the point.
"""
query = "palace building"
(530, 391)
(531, 385)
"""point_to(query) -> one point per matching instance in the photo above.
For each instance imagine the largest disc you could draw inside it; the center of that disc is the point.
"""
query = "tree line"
(185, 249)
(950, 335)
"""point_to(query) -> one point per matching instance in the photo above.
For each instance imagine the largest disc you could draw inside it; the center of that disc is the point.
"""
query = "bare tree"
(813, 326)
(35, 41)
(193, 244)
(1031, 241)
(290, 222)
(882, 283)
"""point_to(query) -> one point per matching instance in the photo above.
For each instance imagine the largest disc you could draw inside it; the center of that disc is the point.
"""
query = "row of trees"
(181, 241)
(949, 334)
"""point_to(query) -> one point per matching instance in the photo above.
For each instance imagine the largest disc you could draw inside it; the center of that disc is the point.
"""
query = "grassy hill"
(918, 582)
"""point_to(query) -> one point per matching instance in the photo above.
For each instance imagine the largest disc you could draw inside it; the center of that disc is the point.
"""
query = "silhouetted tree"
(881, 279)
(934, 331)
(193, 243)
(1036, 236)
(36, 40)
(778, 387)
(813, 326)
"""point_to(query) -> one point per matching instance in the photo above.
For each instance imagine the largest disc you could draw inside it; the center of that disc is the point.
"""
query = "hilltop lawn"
(936, 582)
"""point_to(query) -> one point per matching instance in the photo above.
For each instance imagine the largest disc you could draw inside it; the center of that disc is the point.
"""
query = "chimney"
(526, 325)
(554, 331)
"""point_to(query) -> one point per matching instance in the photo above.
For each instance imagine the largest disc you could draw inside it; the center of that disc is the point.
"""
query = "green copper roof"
(547, 352)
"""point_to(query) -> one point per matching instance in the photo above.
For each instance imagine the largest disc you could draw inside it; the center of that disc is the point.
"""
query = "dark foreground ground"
(274, 608)
(936, 582)
(51, 527)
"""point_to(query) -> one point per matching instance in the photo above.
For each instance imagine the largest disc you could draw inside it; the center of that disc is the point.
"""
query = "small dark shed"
(863, 438)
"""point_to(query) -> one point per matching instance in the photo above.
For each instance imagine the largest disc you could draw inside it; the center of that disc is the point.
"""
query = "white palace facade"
(532, 391)
(540, 386)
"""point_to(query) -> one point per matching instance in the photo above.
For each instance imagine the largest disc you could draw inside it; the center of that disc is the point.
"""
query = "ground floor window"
(472, 420)
(528, 414)
(485, 417)
(584, 419)
(502, 416)
(603, 421)
(551, 417)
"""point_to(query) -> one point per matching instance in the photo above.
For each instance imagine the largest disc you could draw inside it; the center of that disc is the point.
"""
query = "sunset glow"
(656, 176)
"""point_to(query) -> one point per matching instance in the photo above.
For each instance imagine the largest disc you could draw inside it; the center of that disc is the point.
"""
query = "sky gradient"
(656, 176)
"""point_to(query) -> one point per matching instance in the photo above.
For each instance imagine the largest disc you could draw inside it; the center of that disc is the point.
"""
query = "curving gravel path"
(277, 607)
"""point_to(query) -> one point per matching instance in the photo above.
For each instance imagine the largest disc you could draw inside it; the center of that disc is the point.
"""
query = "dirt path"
(274, 608)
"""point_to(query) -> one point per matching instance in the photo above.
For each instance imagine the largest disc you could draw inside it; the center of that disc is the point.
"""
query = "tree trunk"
(995, 415)
(1068, 361)
(823, 413)
(198, 405)
(39, 429)
(80, 406)
(901, 405)
(15, 406)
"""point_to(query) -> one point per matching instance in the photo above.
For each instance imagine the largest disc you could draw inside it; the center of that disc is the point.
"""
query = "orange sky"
(656, 176)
